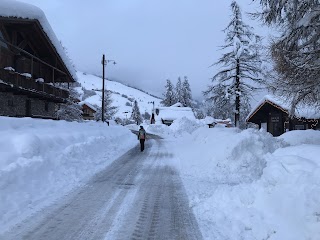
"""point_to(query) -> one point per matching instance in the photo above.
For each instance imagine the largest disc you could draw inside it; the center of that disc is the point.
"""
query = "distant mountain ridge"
(127, 85)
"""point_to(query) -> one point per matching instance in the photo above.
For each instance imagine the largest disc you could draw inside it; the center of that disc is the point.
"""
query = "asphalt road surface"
(138, 196)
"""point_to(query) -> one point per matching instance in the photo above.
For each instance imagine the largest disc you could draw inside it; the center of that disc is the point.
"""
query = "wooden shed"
(272, 114)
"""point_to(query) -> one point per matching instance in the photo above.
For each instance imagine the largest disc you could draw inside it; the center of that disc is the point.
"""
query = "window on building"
(299, 127)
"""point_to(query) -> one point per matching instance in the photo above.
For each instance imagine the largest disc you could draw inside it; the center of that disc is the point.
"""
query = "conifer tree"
(179, 91)
(241, 65)
(109, 110)
(220, 105)
(296, 52)
(186, 93)
(136, 115)
(169, 95)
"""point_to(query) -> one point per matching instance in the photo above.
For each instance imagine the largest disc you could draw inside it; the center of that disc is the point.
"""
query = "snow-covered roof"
(211, 120)
(16, 9)
(177, 105)
(88, 104)
(302, 110)
(172, 113)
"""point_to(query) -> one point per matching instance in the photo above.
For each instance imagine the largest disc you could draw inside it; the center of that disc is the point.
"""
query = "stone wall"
(15, 106)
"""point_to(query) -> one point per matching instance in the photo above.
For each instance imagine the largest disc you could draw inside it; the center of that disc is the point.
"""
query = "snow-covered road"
(138, 196)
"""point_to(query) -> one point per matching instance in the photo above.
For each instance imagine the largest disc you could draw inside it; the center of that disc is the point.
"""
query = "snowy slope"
(121, 95)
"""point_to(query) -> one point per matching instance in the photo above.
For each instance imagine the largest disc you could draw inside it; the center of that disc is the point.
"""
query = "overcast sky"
(151, 40)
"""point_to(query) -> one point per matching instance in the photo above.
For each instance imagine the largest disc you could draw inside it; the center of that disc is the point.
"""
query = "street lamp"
(104, 62)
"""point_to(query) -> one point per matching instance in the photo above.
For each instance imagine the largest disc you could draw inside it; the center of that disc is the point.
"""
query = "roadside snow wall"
(43, 159)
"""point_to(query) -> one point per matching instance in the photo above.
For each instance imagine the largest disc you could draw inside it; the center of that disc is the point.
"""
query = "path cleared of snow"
(138, 196)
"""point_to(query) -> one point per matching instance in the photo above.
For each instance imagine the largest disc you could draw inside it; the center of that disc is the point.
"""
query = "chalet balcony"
(30, 86)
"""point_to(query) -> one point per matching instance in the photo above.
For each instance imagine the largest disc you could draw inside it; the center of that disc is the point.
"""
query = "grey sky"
(150, 40)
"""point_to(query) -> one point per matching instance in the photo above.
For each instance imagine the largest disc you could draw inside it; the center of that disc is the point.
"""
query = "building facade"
(34, 71)
(272, 114)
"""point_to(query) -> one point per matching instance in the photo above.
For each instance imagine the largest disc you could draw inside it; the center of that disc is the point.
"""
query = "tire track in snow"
(137, 197)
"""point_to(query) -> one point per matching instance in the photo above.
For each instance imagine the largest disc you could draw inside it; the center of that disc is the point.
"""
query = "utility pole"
(102, 107)
(104, 62)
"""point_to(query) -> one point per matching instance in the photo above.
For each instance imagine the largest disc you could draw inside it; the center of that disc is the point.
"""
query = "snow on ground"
(241, 184)
(121, 95)
(250, 185)
(43, 159)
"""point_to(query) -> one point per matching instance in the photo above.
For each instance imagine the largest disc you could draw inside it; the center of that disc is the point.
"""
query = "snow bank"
(299, 137)
(179, 127)
(182, 126)
(235, 156)
(43, 159)
(250, 185)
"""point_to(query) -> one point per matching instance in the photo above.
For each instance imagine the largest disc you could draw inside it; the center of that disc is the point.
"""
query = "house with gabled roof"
(88, 110)
(166, 115)
(272, 114)
(33, 64)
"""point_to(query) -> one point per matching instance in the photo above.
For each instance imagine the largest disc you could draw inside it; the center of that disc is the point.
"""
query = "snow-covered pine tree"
(169, 95)
(221, 106)
(109, 110)
(241, 64)
(186, 93)
(135, 115)
(179, 91)
(296, 52)
(70, 111)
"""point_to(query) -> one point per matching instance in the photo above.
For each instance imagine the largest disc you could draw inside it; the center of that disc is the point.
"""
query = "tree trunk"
(237, 113)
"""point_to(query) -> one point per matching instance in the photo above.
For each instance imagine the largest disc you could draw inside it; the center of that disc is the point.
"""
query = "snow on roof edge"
(13, 8)
(88, 104)
(301, 111)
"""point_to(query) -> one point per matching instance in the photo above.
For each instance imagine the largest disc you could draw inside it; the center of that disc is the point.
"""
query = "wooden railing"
(20, 81)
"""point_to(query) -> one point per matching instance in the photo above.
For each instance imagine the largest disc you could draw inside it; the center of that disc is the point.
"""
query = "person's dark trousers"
(142, 144)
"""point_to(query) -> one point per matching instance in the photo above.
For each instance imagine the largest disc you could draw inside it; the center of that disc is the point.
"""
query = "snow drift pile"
(250, 185)
(42, 159)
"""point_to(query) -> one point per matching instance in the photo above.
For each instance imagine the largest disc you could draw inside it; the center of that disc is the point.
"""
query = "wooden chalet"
(88, 110)
(33, 64)
(272, 114)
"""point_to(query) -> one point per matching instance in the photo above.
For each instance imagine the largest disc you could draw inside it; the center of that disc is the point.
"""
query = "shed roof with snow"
(169, 114)
(301, 111)
(83, 103)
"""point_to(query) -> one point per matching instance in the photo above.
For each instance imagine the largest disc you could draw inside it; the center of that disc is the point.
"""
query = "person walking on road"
(142, 137)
